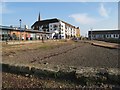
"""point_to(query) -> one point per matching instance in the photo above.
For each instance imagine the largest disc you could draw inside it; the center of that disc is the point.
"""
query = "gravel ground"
(18, 81)
(36, 55)
(71, 54)
(75, 54)
(87, 56)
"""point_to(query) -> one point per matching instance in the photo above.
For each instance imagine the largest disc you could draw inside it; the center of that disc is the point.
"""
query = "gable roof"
(43, 22)
(7, 28)
(68, 24)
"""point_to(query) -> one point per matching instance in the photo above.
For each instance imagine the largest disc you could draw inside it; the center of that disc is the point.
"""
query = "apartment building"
(57, 28)
(47, 29)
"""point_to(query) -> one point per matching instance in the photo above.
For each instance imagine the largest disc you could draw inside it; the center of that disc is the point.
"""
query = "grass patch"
(46, 47)
(34, 46)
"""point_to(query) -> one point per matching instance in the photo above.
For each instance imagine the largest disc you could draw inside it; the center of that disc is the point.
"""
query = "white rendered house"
(57, 28)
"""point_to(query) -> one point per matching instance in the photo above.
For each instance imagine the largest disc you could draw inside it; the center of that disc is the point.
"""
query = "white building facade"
(57, 28)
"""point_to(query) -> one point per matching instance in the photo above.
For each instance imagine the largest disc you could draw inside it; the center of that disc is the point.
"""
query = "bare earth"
(19, 81)
(60, 53)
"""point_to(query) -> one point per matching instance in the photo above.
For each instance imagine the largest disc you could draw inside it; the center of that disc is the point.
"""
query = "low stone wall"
(81, 75)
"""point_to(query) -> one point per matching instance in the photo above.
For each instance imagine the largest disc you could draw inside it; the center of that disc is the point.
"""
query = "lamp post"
(20, 28)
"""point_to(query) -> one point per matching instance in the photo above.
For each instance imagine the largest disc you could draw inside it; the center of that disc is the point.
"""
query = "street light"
(20, 23)
(20, 28)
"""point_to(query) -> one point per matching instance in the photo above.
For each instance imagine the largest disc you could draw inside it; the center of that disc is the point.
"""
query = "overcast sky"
(86, 15)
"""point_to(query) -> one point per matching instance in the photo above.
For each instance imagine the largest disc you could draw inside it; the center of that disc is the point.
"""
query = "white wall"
(51, 27)
(62, 30)
(61, 27)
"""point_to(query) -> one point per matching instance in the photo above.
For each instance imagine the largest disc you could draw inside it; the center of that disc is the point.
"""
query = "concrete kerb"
(16, 68)
(43, 72)
(102, 45)
(110, 47)
(66, 73)
(84, 75)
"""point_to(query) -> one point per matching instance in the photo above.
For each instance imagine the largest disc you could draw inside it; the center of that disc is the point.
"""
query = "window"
(109, 35)
(114, 35)
(48, 30)
(55, 26)
(59, 25)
